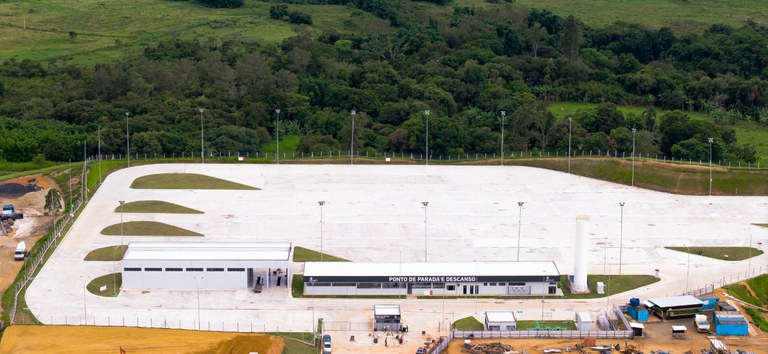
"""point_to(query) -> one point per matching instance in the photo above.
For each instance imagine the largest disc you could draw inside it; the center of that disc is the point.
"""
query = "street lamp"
(127, 139)
(425, 204)
(321, 203)
(122, 202)
(352, 139)
(197, 288)
(688, 269)
(277, 134)
(621, 235)
(749, 250)
(519, 228)
(85, 307)
(710, 140)
(570, 132)
(426, 136)
(634, 132)
(202, 137)
(503, 118)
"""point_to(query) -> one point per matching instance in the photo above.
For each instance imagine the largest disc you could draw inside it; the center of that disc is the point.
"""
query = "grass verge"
(110, 283)
(155, 206)
(185, 181)
(758, 318)
(146, 228)
(723, 253)
(546, 325)
(614, 284)
(107, 254)
(468, 324)
(301, 254)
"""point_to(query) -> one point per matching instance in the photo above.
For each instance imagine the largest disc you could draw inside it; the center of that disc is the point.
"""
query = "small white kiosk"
(500, 321)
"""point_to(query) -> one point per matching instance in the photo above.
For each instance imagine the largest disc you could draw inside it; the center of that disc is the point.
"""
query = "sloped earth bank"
(87, 339)
(27, 194)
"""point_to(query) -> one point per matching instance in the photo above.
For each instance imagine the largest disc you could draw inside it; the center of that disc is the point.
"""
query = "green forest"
(392, 61)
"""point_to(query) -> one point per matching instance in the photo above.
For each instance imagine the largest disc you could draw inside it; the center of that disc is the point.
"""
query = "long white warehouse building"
(202, 265)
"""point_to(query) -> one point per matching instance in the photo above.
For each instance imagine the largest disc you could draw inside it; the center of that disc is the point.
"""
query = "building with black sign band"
(431, 278)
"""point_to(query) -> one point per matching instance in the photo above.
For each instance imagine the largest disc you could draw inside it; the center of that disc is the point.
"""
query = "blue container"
(639, 313)
(709, 303)
(633, 302)
(730, 323)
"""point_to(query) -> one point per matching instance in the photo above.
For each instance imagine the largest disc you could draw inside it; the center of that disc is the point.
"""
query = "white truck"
(702, 326)
(21, 251)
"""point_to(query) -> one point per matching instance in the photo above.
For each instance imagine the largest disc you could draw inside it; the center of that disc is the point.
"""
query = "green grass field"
(614, 284)
(109, 253)
(546, 325)
(155, 206)
(146, 228)
(723, 253)
(468, 324)
(185, 181)
(301, 254)
(111, 282)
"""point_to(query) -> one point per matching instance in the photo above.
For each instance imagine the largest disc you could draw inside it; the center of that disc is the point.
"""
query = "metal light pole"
(426, 136)
(352, 139)
(519, 228)
(321, 203)
(277, 134)
(688, 269)
(570, 132)
(503, 118)
(621, 235)
(122, 202)
(197, 288)
(425, 204)
(711, 140)
(99, 150)
(85, 306)
(634, 132)
(127, 139)
(202, 137)
(749, 249)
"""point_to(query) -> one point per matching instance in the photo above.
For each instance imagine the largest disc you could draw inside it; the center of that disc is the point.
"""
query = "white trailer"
(21, 251)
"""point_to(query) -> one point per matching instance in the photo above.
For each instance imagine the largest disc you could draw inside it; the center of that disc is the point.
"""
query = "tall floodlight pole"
(85, 307)
(634, 132)
(426, 135)
(749, 249)
(621, 235)
(570, 132)
(99, 151)
(519, 228)
(352, 139)
(202, 137)
(321, 203)
(688, 269)
(197, 288)
(503, 118)
(711, 140)
(127, 139)
(122, 203)
(425, 204)
(277, 134)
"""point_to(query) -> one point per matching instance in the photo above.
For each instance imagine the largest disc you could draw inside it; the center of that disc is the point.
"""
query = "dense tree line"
(465, 68)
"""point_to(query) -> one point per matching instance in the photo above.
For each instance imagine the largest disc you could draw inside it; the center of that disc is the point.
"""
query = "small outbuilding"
(500, 321)
(387, 318)
(637, 329)
(675, 306)
(583, 321)
(730, 323)
(639, 312)
(679, 331)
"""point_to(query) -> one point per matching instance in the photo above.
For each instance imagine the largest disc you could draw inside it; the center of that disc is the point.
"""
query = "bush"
(230, 4)
(299, 18)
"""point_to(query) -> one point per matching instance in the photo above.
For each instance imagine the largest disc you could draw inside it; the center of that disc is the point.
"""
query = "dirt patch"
(79, 339)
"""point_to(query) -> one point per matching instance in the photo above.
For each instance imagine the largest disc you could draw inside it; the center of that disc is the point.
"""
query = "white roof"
(386, 310)
(500, 316)
(584, 316)
(676, 301)
(208, 251)
(389, 269)
(679, 328)
(636, 325)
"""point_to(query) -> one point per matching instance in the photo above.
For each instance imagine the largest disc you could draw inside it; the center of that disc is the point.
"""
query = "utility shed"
(500, 321)
(204, 265)
(387, 318)
(730, 323)
(675, 306)
(583, 321)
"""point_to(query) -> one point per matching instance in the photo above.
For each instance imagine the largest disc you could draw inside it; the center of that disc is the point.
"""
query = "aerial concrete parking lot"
(375, 213)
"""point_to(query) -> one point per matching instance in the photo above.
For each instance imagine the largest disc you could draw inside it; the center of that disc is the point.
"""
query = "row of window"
(403, 285)
(150, 269)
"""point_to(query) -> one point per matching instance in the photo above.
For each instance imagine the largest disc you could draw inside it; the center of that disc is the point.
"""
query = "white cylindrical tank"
(580, 260)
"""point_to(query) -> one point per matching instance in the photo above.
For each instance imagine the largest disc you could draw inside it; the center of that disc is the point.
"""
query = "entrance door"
(250, 277)
(410, 288)
(465, 290)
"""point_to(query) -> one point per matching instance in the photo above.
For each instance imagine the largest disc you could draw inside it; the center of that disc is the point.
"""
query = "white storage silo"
(580, 259)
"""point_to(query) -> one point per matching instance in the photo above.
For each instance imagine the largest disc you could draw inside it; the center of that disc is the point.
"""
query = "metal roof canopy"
(208, 251)
(386, 310)
(676, 301)
(387, 269)
(500, 316)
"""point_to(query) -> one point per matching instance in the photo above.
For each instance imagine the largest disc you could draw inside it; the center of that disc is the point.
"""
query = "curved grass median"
(301, 254)
(614, 284)
(185, 181)
(468, 324)
(106, 285)
(107, 254)
(146, 228)
(722, 253)
(155, 206)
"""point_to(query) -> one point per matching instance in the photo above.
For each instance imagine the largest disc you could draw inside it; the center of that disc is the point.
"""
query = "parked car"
(421, 351)
(326, 344)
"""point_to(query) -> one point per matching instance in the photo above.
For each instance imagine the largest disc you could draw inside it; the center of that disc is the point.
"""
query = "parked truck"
(21, 251)
(9, 212)
(702, 326)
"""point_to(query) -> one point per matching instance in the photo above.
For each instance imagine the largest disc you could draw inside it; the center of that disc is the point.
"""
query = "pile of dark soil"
(18, 189)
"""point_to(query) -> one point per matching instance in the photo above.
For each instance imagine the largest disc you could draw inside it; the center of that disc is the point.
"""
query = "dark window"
(368, 285)
(235, 269)
(153, 269)
(451, 287)
(492, 284)
(173, 269)
(516, 284)
(214, 269)
(194, 269)
(502, 284)
(343, 284)
(132, 269)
